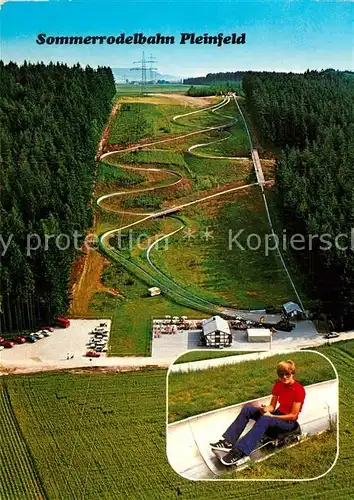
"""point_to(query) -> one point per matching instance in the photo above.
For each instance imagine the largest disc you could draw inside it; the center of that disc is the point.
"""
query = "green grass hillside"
(231, 384)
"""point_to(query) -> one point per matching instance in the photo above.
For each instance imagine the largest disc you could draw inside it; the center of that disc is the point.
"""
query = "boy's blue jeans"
(249, 442)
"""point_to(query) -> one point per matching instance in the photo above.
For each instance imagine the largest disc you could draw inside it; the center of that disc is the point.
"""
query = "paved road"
(31, 365)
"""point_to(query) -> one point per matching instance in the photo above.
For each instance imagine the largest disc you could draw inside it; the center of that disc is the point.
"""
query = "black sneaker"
(222, 445)
(234, 457)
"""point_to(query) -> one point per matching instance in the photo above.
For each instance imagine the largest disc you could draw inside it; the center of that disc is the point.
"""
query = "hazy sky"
(280, 36)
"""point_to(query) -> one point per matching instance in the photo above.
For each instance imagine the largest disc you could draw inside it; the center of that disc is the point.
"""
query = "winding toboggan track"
(157, 277)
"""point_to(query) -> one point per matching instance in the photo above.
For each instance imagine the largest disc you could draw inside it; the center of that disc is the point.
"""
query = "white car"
(39, 335)
(331, 335)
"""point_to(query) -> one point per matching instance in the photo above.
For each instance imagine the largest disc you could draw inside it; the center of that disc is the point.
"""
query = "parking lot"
(63, 345)
(172, 345)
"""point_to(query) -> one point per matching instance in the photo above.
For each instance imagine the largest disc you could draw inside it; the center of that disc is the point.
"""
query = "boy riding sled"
(288, 393)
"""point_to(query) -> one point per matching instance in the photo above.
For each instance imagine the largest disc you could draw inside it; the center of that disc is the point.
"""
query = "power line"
(152, 60)
(143, 68)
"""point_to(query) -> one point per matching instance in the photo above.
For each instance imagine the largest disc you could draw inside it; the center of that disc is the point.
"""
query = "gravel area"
(169, 346)
(63, 343)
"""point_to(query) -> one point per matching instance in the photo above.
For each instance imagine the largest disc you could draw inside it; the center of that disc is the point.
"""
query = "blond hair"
(286, 366)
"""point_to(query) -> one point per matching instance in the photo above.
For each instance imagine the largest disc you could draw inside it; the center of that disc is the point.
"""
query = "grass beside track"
(307, 460)
(203, 355)
(132, 312)
(102, 436)
(139, 120)
(205, 390)
(205, 259)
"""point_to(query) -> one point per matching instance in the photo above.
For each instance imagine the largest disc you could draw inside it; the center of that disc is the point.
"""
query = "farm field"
(102, 435)
(127, 89)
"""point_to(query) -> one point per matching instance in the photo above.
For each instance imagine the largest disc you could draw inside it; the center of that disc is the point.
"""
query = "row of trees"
(311, 117)
(215, 78)
(51, 118)
(214, 89)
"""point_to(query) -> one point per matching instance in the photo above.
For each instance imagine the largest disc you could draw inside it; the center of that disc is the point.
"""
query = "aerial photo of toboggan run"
(150, 219)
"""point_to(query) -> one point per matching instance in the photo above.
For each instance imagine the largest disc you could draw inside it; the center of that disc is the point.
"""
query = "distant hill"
(123, 74)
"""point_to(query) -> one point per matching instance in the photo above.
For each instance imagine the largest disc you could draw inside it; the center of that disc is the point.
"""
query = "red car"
(19, 339)
(63, 322)
(92, 354)
(2, 339)
(8, 344)
(48, 328)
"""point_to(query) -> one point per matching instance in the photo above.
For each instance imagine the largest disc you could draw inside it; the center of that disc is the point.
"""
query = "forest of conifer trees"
(311, 118)
(51, 119)
(215, 78)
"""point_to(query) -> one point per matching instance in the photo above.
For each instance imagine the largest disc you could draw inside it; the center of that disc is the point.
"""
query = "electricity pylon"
(142, 68)
(152, 60)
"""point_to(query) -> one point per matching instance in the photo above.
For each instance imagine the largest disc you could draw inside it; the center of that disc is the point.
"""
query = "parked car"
(238, 325)
(1, 339)
(46, 333)
(8, 344)
(331, 335)
(19, 339)
(93, 354)
(39, 335)
(63, 322)
(31, 338)
(284, 326)
(48, 328)
(1, 347)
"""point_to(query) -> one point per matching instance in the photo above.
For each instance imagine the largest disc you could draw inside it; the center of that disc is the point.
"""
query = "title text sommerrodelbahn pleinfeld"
(142, 39)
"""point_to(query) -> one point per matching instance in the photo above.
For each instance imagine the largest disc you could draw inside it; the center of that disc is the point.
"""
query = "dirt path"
(107, 131)
(183, 99)
(89, 282)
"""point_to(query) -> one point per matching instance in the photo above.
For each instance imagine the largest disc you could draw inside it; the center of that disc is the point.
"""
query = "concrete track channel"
(188, 449)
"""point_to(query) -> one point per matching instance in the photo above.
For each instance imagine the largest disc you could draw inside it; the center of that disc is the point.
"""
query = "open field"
(128, 89)
(111, 427)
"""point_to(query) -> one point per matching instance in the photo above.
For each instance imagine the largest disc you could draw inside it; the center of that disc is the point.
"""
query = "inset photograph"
(252, 416)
